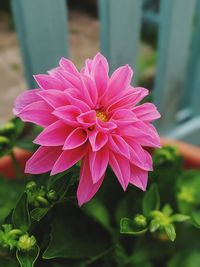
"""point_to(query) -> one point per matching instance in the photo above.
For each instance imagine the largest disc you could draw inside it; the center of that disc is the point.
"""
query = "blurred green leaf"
(154, 225)
(170, 231)
(21, 216)
(151, 200)
(179, 218)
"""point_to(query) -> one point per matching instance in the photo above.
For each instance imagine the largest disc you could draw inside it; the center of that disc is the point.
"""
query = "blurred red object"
(6, 165)
(190, 153)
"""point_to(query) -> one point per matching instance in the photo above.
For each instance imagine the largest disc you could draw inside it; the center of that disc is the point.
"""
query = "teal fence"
(43, 37)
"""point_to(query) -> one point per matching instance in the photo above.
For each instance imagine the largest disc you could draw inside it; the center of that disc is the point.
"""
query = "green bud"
(51, 195)
(26, 242)
(31, 186)
(4, 142)
(7, 129)
(140, 220)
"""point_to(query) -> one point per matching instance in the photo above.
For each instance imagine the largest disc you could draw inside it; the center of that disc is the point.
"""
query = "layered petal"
(146, 112)
(97, 139)
(138, 177)
(68, 114)
(54, 98)
(39, 113)
(53, 135)
(48, 82)
(75, 139)
(43, 160)
(121, 167)
(68, 158)
(98, 163)
(26, 98)
(86, 188)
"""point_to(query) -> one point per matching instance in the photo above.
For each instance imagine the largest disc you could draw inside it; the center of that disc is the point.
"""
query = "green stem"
(43, 200)
(18, 170)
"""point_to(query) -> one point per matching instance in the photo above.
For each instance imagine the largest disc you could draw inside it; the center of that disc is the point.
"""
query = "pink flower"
(90, 117)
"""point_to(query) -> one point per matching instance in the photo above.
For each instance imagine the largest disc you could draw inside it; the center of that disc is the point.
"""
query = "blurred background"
(160, 39)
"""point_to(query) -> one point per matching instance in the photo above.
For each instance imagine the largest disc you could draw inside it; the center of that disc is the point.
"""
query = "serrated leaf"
(38, 213)
(170, 231)
(28, 258)
(151, 200)
(127, 226)
(21, 216)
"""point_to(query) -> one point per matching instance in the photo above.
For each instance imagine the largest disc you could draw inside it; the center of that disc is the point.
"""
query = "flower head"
(94, 118)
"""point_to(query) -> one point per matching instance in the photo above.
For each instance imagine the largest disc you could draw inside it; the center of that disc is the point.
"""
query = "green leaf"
(38, 213)
(28, 258)
(97, 210)
(127, 226)
(21, 216)
(151, 200)
(75, 235)
(154, 225)
(196, 219)
(170, 231)
(179, 218)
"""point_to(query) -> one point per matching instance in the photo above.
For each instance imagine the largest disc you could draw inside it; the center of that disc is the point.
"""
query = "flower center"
(101, 115)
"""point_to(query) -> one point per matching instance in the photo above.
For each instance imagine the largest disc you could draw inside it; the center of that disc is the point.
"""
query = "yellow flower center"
(101, 115)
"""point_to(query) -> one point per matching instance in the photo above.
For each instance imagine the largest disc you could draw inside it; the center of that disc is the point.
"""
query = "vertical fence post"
(173, 46)
(194, 73)
(120, 31)
(42, 33)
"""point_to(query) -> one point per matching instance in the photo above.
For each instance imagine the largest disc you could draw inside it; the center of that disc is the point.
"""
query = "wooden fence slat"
(120, 31)
(42, 32)
(173, 46)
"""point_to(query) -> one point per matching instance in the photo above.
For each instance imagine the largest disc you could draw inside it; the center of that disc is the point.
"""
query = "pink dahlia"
(94, 118)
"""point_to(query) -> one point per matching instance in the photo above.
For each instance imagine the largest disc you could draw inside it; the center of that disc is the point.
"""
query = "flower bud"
(31, 186)
(26, 242)
(140, 220)
(51, 195)
(7, 129)
(5, 145)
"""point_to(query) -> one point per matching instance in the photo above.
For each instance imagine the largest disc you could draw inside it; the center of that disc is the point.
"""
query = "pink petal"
(101, 76)
(68, 158)
(138, 177)
(48, 82)
(107, 126)
(86, 188)
(68, 114)
(43, 160)
(39, 113)
(143, 132)
(77, 103)
(89, 92)
(130, 98)
(119, 81)
(54, 98)
(88, 67)
(67, 65)
(98, 163)
(87, 119)
(25, 99)
(123, 116)
(146, 112)
(140, 157)
(118, 144)
(75, 139)
(121, 167)
(71, 79)
(54, 135)
(97, 139)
